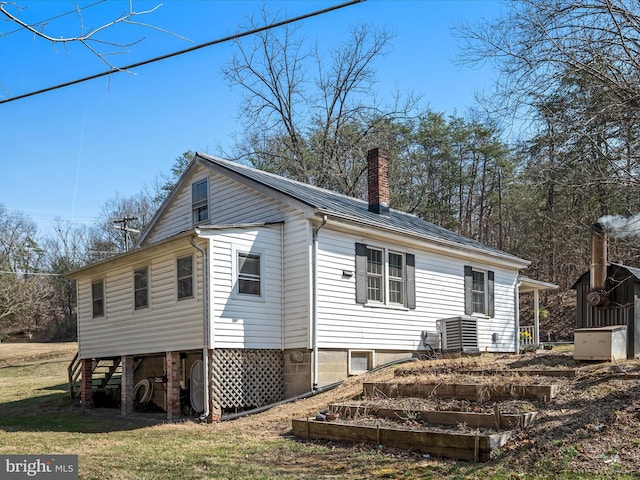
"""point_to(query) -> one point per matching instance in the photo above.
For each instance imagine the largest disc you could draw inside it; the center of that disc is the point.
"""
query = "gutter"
(314, 300)
(205, 323)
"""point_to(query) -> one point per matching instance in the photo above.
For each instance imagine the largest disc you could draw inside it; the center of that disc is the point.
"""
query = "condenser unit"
(459, 334)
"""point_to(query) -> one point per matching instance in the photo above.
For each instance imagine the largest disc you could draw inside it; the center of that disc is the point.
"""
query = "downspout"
(314, 304)
(516, 304)
(205, 325)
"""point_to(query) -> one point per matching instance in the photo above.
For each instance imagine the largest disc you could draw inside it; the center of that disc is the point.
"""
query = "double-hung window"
(141, 287)
(249, 274)
(185, 277)
(97, 298)
(375, 275)
(396, 278)
(478, 292)
(384, 276)
(479, 296)
(200, 201)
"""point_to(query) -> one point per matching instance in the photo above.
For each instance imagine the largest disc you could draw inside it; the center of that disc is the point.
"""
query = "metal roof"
(326, 202)
(632, 270)
(530, 285)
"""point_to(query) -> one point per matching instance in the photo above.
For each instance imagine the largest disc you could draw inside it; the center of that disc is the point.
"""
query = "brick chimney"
(378, 181)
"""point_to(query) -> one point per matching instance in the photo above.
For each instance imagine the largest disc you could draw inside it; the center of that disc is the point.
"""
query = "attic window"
(200, 201)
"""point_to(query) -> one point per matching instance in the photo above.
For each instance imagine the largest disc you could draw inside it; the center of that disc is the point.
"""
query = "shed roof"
(633, 271)
(326, 202)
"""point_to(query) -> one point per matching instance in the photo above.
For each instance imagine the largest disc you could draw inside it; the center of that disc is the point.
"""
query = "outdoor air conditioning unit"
(459, 334)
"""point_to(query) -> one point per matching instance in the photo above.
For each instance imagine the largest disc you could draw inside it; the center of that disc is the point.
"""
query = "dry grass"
(591, 430)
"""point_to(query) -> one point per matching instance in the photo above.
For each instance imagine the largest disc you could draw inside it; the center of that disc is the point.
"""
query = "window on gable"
(185, 277)
(479, 292)
(141, 288)
(200, 201)
(249, 277)
(384, 276)
(97, 298)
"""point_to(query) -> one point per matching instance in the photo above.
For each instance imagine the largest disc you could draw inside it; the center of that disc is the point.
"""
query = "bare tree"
(536, 43)
(94, 39)
(308, 115)
(24, 292)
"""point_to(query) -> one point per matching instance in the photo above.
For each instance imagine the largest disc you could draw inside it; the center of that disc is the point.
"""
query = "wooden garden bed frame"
(495, 420)
(474, 392)
(475, 447)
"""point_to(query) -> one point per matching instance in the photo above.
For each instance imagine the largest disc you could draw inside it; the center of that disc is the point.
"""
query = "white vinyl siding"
(167, 325)
(246, 321)
(439, 280)
(237, 204)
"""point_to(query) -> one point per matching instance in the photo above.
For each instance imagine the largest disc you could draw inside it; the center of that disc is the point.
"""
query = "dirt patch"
(591, 427)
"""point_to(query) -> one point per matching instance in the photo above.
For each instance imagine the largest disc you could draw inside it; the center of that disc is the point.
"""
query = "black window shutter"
(411, 280)
(361, 273)
(468, 290)
(491, 293)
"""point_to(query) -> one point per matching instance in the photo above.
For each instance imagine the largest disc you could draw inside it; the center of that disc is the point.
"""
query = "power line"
(182, 52)
(42, 22)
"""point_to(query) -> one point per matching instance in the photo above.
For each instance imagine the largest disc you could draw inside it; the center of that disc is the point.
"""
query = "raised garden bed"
(495, 420)
(477, 392)
(523, 372)
(475, 446)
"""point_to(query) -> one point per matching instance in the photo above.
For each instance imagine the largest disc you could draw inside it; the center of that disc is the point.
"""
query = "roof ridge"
(216, 159)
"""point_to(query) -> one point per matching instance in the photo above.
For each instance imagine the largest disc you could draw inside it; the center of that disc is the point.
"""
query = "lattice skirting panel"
(242, 378)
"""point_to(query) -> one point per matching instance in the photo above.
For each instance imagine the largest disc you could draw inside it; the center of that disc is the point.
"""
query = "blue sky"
(65, 153)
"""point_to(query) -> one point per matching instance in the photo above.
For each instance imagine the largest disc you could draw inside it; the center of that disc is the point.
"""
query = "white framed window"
(97, 298)
(200, 201)
(384, 277)
(396, 276)
(184, 274)
(375, 275)
(249, 274)
(479, 291)
(141, 288)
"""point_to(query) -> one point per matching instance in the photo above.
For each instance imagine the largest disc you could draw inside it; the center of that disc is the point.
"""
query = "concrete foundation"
(297, 372)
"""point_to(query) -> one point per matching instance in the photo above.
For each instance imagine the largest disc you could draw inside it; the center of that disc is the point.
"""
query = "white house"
(247, 288)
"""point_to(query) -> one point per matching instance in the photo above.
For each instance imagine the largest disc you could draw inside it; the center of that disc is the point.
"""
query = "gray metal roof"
(352, 209)
(632, 270)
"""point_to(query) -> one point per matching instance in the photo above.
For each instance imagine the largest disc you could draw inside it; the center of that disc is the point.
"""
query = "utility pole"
(125, 230)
